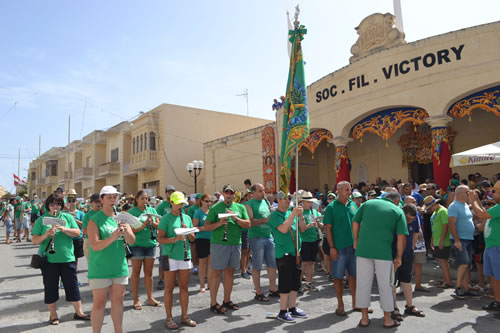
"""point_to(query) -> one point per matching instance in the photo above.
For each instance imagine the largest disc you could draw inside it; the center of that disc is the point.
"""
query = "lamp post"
(194, 169)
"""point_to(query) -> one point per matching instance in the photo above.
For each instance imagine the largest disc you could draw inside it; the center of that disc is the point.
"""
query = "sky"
(103, 62)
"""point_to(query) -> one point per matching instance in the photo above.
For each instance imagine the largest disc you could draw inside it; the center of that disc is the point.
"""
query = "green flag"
(295, 110)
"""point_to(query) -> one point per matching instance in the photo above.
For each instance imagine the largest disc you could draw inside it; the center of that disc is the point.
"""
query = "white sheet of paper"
(185, 231)
(53, 221)
(223, 215)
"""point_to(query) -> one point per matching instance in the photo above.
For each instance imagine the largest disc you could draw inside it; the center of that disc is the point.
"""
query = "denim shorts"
(222, 256)
(492, 262)
(345, 261)
(463, 257)
(262, 250)
(140, 253)
(22, 223)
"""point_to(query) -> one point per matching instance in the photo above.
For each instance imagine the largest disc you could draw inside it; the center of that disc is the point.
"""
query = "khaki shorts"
(104, 283)
(86, 248)
(420, 258)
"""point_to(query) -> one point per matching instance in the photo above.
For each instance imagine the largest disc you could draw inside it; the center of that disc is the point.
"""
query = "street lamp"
(194, 169)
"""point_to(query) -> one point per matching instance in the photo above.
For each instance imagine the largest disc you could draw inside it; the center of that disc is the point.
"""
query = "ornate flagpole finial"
(296, 16)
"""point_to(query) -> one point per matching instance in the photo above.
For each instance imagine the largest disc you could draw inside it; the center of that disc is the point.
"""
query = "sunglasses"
(71, 200)
(54, 204)
(207, 201)
(228, 192)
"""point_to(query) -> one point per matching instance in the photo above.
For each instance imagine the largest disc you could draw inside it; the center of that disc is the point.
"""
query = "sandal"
(364, 325)
(275, 293)
(218, 309)
(261, 298)
(230, 305)
(445, 286)
(54, 321)
(202, 290)
(188, 321)
(138, 306)
(395, 324)
(396, 316)
(413, 311)
(340, 313)
(171, 325)
(84, 317)
(359, 310)
(155, 304)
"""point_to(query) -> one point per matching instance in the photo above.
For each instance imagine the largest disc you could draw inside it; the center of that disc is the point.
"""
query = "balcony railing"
(83, 173)
(110, 168)
(146, 160)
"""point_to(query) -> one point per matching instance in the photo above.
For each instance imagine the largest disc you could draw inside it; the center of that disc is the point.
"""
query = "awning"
(482, 155)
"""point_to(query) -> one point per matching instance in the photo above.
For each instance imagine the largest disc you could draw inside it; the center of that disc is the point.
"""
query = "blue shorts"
(262, 250)
(491, 260)
(222, 256)
(141, 253)
(463, 257)
(345, 261)
(9, 227)
(22, 222)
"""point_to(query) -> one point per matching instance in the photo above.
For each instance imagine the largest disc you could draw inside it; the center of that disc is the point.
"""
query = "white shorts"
(175, 265)
(104, 283)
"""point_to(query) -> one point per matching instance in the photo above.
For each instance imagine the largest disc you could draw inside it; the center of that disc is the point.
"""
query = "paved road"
(22, 308)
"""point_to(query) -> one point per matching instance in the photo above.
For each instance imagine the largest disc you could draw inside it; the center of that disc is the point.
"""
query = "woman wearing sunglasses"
(202, 241)
(78, 216)
(61, 262)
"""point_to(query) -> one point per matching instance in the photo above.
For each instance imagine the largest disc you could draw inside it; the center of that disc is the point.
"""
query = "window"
(145, 141)
(133, 146)
(137, 145)
(89, 162)
(114, 155)
(141, 143)
(51, 168)
(152, 141)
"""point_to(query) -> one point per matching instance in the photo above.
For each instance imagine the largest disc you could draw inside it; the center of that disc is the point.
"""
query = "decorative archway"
(386, 122)
(316, 135)
(487, 99)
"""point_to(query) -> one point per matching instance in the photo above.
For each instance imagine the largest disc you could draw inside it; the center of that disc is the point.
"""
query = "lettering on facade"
(390, 71)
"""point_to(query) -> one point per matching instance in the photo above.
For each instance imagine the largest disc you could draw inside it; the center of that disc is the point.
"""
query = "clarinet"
(128, 251)
(186, 256)
(52, 238)
(151, 229)
(224, 238)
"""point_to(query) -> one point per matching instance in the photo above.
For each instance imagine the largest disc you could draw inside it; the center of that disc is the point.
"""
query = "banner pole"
(297, 201)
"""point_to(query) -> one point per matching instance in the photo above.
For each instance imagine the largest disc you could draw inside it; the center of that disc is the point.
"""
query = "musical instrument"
(224, 237)
(128, 251)
(123, 218)
(151, 229)
(52, 250)
(186, 256)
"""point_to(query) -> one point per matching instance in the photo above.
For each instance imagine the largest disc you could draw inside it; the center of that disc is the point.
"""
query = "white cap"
(108, 189)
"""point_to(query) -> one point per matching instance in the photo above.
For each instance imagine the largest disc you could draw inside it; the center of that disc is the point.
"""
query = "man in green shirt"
(197, 203)
(338, 219)
(283, 223)
(373, 229)
(225, 246)
(440, 239)
(492, 241)
(261, 242)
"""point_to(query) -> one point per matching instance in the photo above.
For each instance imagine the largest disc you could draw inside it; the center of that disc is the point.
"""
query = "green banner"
(295, 109)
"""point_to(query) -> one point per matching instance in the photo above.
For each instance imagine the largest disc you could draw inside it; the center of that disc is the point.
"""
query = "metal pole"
(67, 152)
(195, 190)
(39, 166)
(297, 194)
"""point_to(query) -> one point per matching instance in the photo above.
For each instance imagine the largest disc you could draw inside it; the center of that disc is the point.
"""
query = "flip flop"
(340, 313)
(395, 324)
(171, 325)
(364, 325)
(54, 321)
(138, 306)
(155, 305)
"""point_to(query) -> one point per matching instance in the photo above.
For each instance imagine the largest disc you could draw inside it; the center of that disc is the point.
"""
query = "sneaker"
(310, 287)
(245, 275)
(298, 313)
(459, 293)
(160, 285)
(471, 293)
(286, 317)
(195, 270)
(78, 283)
(493, 306)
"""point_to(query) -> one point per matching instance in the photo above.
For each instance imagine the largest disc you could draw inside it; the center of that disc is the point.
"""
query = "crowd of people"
(356, 231)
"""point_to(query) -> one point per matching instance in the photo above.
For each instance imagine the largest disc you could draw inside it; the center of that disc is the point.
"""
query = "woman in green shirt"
(202, 241)
(61, 260)
(176, 257)
(108, 268)
(144, 249)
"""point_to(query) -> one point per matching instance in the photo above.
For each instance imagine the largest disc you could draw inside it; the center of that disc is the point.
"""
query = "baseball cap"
(356, 194)
(372, 193)
(108, 189)
(198, 196)
(178, 198)
(228, 187)
(170, 188)
(331, 194)
(60, 188)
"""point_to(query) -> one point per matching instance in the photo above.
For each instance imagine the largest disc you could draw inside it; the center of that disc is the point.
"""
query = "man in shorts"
(225, 246)
(338, 219)
(261, 242)
(8, 218)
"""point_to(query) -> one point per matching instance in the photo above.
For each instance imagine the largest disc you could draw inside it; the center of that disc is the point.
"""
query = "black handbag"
(38, 261)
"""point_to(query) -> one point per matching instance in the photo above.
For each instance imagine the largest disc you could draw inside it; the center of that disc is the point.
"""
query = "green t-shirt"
(192, 209)
(18, 207)
(201, 216)
(380, 220)
(438, 219)
(260, 209)
(63, 244)
(86, 218)
(339, 216)
(164, 208)
(110, 262)
(35, 209)
(283, 242)
(311, 234)
(233, 228)
(168, 223)
(143, 237)
(492, 228)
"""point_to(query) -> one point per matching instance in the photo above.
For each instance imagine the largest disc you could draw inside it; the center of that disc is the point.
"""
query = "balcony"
(67, 177)
(146, 160)
(51, 180)
(107, 169)
(83, 173)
